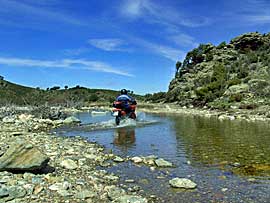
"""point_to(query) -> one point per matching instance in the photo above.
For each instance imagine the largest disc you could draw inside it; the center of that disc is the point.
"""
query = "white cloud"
(133, 7)
(249, 12)
(184, 40)
(64, 63)
(152, 12)
(27, 13)
(107, 44)
(174, 54)
(167, 52)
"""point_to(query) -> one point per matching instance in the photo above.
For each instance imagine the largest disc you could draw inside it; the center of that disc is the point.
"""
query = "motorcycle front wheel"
(117, 120)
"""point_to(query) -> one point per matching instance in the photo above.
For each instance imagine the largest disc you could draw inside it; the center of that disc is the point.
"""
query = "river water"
(229, 160)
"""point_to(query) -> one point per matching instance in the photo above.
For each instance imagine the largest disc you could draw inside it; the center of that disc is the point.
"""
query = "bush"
(93, 98)
(234, 81)
(236, 98)
(221, 45)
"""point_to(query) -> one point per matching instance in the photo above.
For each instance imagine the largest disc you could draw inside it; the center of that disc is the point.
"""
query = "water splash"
(127, 122)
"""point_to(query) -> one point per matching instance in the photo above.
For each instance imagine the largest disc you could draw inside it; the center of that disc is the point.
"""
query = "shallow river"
(229, 160)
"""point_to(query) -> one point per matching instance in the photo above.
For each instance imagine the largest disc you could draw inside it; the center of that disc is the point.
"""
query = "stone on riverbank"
(22, 156)
(118, 159)
(130, 199)
(163, 163)
(69, 164)
(137, 159)
(182, 183)
(71, 120)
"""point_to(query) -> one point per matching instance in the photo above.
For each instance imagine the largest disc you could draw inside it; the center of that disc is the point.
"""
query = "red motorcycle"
(120, 112)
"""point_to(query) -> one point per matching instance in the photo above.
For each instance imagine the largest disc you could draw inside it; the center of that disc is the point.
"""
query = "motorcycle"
(120, 113)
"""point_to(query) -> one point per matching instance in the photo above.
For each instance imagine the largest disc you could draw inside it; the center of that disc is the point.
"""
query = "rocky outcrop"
(234, 74)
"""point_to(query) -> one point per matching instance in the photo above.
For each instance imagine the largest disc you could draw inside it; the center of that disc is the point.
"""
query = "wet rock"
(22, 156)
(137, 159)
(71, 119)
(163, 163)
(69, 164)
(150, 160)
(130, 199)
(118, 159)
(182, 183)
(129, 181)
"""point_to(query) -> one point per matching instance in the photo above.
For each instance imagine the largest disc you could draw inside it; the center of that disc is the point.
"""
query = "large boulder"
(23, 156)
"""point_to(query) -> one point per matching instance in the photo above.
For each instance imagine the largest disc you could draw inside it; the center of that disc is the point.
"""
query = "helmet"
(124, 91)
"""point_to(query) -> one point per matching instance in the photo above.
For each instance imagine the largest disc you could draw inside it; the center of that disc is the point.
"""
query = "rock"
(16, 192)
(60, 186)
(64, 193)
(163, 163)
(137, 159)
(130, 199)
(182, 183)
(25, 117)
(71, 119)
(114, 192)
(118, 159)
(3, 192)
(38, 189)
(8, 119)
(21, 157)
(17, 133)
(224, 189)
(248, 41)
(85, 194)
(150, 160)
(69, 164)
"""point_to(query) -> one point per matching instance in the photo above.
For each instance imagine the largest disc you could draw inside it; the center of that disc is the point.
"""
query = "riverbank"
(47, 168)
(260, 114)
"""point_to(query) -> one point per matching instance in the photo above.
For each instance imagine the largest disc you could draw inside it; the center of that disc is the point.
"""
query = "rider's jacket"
(125, 99)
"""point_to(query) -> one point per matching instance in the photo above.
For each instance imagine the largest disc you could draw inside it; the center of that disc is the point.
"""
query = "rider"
(126, 100)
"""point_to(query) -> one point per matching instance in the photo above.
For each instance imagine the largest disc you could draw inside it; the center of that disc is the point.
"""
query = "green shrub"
(236, 98)
(234, 81)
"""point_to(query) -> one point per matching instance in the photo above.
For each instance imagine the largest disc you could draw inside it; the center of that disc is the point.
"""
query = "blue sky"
(131, 44)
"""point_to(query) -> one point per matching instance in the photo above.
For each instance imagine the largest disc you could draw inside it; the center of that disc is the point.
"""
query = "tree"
(177, 67)
(66, 87)
(1, 77)
(55, 88)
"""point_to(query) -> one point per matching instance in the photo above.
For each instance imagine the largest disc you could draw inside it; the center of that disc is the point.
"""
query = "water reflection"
(222, 143)
(124, 137)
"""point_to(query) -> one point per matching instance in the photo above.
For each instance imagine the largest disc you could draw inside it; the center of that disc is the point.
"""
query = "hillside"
(236, 74)
(11, 93)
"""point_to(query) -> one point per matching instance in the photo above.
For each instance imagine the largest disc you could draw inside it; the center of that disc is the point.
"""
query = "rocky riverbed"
(37, 166)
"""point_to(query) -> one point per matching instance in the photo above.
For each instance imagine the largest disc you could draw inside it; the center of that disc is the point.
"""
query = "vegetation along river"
(228, 160)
